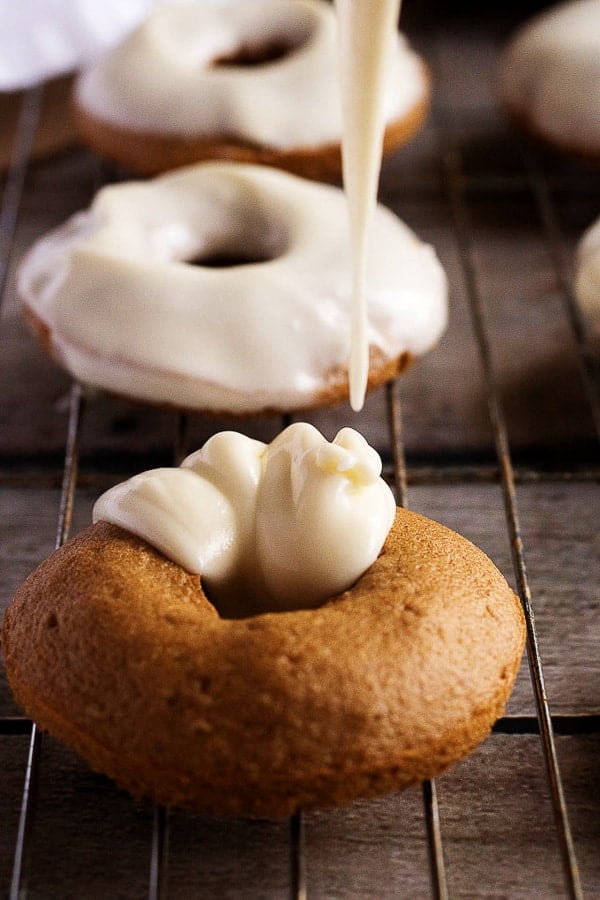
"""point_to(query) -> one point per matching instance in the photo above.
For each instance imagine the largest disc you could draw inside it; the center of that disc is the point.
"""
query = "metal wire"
(159, 856)
(434, 843)
(430, 803)
(455, 187)
(9, 215)
(400, 478)
(22, 858)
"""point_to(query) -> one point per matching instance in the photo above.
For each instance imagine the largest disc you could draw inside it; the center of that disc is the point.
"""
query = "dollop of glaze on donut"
(550, 75)
(177, 75)
(135, 295)
(272, 526)
(116, 650)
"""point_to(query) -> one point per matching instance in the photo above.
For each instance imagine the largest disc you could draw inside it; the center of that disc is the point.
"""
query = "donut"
(226, 288)
(587, 275)
(549, 79)
(252, 82)
(117, 650)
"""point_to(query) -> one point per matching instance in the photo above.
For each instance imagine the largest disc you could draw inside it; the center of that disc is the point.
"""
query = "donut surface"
(227, 288)
(550, 76)
(117, 651)
(253, 82)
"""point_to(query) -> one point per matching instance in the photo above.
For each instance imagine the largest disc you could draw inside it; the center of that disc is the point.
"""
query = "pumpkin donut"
(226, 288)
(252, 82)
(117, 650)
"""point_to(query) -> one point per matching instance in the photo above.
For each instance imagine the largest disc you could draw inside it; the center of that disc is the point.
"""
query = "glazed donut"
(253, 82)
(550, 78)
(227, 288)
(116, 651)
(587, 275)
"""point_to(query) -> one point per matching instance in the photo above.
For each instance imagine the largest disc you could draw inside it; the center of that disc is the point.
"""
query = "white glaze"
(367, 37)
(126, 313)
(269, 527)
(161, 79)
(550, 73)
(587, 276)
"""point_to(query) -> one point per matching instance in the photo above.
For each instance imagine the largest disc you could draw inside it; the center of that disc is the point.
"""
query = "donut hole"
(252, 242)
(255, 48)
(249, 55)
(243, 38)
(225, 259)
(239, 236)
(231, 602)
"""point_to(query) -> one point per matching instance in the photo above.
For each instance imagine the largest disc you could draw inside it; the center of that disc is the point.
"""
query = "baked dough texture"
(117, 652)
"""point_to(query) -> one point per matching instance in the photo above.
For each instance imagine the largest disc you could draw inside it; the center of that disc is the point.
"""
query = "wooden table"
(494, 433)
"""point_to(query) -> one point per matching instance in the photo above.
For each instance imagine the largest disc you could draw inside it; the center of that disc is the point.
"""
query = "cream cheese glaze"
(276, 526)
(126, 311)
(165, 78)
(367, 36)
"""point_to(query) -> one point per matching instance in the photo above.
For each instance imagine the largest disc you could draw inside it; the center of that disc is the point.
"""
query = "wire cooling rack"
(502, 213)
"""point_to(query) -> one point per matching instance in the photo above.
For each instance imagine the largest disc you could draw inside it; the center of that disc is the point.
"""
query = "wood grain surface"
(472, 187)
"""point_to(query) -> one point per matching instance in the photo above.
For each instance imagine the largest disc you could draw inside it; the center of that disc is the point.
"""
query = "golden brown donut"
(117, 651)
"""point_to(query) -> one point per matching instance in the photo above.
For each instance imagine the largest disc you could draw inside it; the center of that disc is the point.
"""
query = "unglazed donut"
(116, 650)
(116, 299)
(550, 76)
(254, 82)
